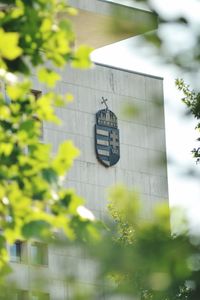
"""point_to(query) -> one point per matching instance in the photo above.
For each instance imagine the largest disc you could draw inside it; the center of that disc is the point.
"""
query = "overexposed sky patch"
(171, 9)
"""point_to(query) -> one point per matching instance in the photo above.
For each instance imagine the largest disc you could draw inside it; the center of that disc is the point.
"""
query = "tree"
(156, 264)
(33, 204)
(192, 100)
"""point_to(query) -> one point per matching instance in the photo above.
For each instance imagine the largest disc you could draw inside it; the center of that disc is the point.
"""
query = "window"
(17, 252)
(39, 296)
(21, 295)
(39, 253)
(26, 295)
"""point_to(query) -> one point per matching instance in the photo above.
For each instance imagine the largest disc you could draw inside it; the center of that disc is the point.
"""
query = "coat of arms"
(107, 137)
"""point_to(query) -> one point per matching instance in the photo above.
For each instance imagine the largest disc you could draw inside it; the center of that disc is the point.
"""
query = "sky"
(181, 137)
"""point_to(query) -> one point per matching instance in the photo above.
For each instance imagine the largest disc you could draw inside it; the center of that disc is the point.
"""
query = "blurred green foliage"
(143, 257)
(174, 35)
(33, 203)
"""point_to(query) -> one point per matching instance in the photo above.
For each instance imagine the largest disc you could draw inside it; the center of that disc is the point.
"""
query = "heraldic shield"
(107, 138)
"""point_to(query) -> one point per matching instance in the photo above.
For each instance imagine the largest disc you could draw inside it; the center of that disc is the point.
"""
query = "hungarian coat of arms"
(107, 137)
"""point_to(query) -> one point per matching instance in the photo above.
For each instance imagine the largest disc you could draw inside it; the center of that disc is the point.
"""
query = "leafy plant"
(36, 36)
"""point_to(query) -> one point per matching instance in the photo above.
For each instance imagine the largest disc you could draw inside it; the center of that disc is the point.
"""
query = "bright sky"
(180, 133)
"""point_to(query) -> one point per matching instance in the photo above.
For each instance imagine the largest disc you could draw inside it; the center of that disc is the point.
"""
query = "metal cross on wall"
(104, 102)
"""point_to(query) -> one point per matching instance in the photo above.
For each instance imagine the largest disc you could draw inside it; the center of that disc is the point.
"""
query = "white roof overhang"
(92, 25)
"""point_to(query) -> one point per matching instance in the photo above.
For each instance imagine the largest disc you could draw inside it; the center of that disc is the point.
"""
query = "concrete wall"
(142, 138)
(142, 143)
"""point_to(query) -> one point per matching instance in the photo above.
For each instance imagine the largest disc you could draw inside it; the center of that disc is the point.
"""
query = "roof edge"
(126, 5)
(128, 71)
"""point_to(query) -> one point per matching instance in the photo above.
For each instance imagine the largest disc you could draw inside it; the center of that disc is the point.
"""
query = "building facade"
(141, 144)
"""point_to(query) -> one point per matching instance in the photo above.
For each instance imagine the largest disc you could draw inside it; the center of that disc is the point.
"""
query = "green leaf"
(48, 76)
(6, 148)
(82, 57)
(45, 109)
(9, 47)
(46, 25)
(67, 152)
(19, 90)
(36, 229)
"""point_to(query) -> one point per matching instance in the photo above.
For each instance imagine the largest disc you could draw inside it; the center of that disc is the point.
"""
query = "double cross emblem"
(114, 139)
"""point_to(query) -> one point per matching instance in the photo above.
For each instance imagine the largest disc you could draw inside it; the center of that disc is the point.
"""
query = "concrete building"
(142, 142)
